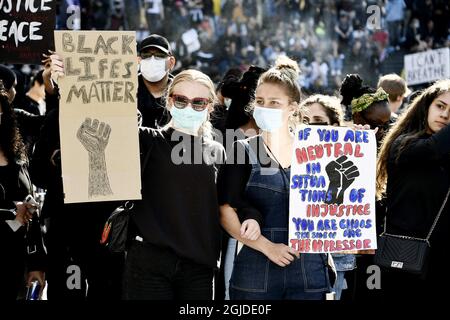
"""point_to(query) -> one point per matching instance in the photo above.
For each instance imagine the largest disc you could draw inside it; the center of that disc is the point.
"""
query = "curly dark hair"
(10, 140)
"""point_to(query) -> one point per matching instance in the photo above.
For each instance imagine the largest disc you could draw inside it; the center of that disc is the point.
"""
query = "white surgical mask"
(268, 119)
(188, 119)
(153, 69)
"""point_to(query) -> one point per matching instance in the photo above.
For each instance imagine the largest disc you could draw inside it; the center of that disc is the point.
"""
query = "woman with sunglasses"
(368, 106)
(414, 176)
(175, 246)
(254, 187)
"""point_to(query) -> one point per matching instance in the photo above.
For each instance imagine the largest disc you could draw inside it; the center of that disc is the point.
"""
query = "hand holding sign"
(341, 174)
(53, 67)
(94, 136)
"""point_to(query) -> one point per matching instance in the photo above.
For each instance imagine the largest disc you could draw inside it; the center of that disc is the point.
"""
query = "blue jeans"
(255, 277)
(228, 268)
(155, 273)
(343, 263)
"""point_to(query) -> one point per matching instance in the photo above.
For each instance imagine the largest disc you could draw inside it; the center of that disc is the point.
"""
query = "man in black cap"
(155, 63)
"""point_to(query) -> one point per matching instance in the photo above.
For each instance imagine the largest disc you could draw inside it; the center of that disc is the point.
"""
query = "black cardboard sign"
(26, 30)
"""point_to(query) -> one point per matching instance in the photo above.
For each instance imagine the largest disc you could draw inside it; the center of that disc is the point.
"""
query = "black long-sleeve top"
(179, 208)
(417, 185)
(154, 113)
(15, 185)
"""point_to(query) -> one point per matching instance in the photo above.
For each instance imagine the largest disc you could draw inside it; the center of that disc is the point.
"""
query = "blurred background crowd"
(329, 38)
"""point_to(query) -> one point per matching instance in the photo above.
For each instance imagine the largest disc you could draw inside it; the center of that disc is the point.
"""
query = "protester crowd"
(182, 237)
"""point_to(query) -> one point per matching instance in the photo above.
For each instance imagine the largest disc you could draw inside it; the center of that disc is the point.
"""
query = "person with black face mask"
(156, 60)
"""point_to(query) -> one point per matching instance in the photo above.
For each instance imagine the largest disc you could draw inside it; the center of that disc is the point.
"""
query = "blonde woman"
(254, 198)
(175, 246)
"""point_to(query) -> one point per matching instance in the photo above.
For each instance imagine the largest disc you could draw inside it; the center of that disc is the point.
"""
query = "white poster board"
(428, 66)
(190, 39)
(332, 190)
(98, 117)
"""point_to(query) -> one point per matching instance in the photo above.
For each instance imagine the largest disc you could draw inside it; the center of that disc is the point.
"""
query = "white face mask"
(268, 119)
(188, 119)
(153, 69)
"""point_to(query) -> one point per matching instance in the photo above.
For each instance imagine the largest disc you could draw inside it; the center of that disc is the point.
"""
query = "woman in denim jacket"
(254, 186)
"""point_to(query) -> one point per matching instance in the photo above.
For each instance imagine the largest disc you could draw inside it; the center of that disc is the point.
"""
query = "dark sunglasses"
(156, 54)
(198, 104)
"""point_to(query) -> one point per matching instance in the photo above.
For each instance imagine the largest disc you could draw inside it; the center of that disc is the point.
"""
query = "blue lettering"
(350, 233)
(295, 182)
(296, 223)
(357, 195)
(303, 194)
(349, 136)
(314, 196)
(334, 135)
(357, 136)
(327, 135)
(304, 134)
(315, 167)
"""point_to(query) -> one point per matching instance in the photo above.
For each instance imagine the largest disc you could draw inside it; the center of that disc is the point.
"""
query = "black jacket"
(152, 110)
(416, 188)
(26, 243)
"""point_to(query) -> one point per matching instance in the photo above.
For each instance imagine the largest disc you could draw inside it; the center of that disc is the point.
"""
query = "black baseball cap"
(156, 41)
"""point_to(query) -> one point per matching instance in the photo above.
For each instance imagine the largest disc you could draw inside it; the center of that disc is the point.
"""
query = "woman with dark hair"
(20, 237)
(413, 174)
(367, 105)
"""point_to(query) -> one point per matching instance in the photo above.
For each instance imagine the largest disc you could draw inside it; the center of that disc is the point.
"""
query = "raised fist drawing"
(341, 173)
(94, 136)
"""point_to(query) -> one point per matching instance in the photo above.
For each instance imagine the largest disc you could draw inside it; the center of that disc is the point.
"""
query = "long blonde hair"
(191, 75)
(412, 124)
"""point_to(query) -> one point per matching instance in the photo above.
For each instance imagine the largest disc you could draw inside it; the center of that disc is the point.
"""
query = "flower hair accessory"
(363, 102)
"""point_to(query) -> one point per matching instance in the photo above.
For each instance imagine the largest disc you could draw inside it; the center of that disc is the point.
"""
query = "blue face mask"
(268, 119)
(188, 118)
